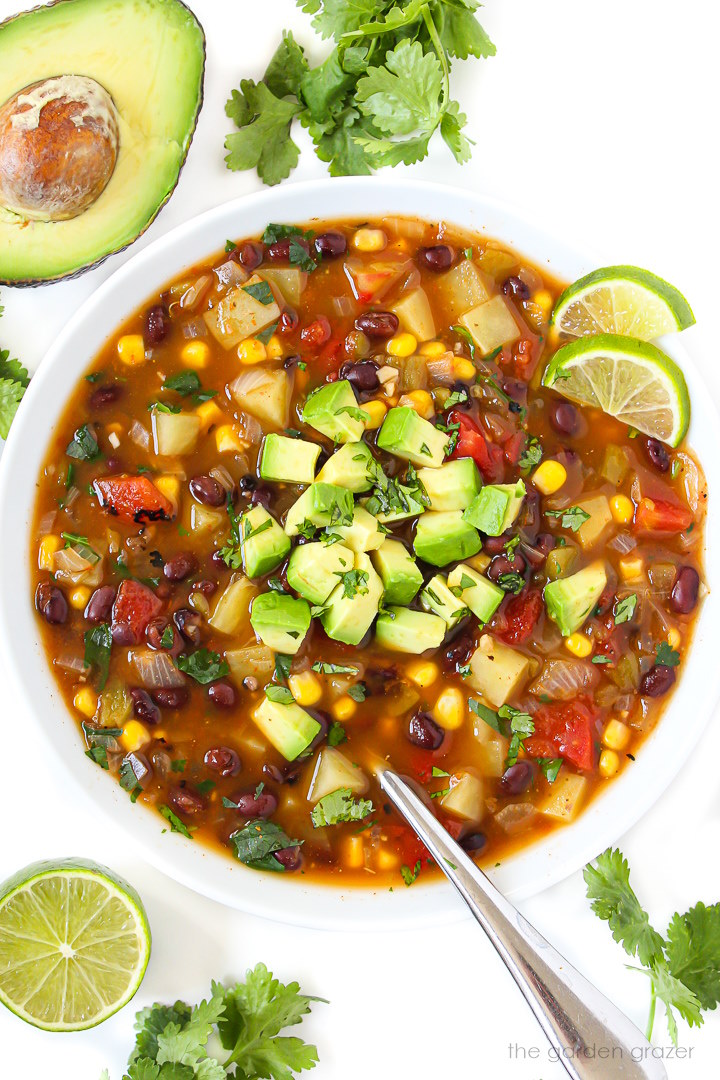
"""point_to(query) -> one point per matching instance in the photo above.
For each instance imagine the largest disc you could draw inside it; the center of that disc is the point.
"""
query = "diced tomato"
(472, 443)
(316, 333)
(565, 729)
(518, 620)
(135, 606)
(329, 359)
(133, 498)
(514, 447)
(453, 827)
(421, 763)
(406, 843)
(655, 515)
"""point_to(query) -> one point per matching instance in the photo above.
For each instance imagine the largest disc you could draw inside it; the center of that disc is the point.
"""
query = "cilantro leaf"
(410, 876)
(98, 645)
(11, 394)
(83, 445)
(625, 609)
(263, 141)
(403, 95)
(256, 843)
(666, 655)
(287, 67)
(608, 886)
(693, 951)
(340, 806)
(336, 734)
(574, 517)
(203, 666)
(279, 694)
(174, 821)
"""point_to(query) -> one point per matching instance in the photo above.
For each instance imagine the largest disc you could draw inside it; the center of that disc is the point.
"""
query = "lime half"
(74, 944)
(621, 300)
(631, 380)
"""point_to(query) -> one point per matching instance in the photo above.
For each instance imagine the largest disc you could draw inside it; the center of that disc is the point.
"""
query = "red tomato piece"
(406, 843)
(329, 359)
(518, 620)
(472, 443)
(514, 447)
(565, 729)
(133, 498)
(135, 606)
(316, 333)
(654, 515)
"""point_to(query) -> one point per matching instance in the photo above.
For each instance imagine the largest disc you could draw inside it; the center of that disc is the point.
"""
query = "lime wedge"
(621, 300)
(74, 944)
(631, 380)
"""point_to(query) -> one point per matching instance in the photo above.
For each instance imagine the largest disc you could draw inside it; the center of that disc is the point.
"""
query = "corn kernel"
(449, 709)
(631, 568)
(609, 764)
(385, 859)
(344, 708)
(169, 486)
(432, 350)
(274, 348)
(402, 345)
(354, 853)
(622, 509)
(419, 400)
(376, 411)
(549, 477)
(479, 562)
(673, 638)
(422, 672)
(210, 415)
(616, 735)
(251, 351)
(305, 687)
(578, 645)
(543, 299)
(79, 597)
(369, 240)
(196, 354)
(131, 349)
(464, 369)
(85, 702)
(135, 736)
(48, 546)
(228, 441)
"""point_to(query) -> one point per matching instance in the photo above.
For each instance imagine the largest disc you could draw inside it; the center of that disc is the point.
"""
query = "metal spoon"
(590, 1036)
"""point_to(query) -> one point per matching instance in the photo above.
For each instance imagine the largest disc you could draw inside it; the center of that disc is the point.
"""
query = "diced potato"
(175, 433)
(240, 315)
(289, 281)
(266, 397)
(255, 660)
(491, 325)
(491, 756)
(466, 797)
(462, 288)
(565, 796)
(203, 519)
(593, 530)
(497, 671)
(233, 607)
(415, 314)
(333, 771)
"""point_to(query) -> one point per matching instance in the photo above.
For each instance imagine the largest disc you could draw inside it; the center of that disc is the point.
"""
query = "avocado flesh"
(149, 55)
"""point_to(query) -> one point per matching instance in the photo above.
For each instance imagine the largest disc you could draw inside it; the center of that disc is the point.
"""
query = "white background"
(601, 121)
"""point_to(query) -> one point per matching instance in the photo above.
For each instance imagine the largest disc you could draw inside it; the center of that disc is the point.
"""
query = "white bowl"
(290, 898)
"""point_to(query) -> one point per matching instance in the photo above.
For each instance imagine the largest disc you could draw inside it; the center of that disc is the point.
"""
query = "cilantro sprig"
(14, 381)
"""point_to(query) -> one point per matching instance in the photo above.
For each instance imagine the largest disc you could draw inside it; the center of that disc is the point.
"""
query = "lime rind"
(634, 381)
(624, 300)
(74, 944)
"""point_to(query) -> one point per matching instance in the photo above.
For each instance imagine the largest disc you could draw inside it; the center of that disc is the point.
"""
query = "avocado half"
(149, 55)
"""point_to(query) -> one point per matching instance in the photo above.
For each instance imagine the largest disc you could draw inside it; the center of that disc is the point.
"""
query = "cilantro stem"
(651, 1014)
(441, 55)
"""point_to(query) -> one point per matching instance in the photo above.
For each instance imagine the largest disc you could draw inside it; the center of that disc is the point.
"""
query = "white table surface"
(600, 120)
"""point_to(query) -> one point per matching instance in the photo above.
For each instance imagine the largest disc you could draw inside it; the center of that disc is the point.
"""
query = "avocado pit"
(59, 141)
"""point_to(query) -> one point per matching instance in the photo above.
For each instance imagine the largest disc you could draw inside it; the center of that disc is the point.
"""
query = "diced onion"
(223, 477)
(516, 816)
(565, 679)
(693, 480)
(139, 435)
(46, 522)
(70, 567)
(343, 306)
(250, 428)
(442, 369)
(194, 328)
(623, 543)
(156, 670)
(190, 299)
(72, 497)
(72, 662)
(231, 273)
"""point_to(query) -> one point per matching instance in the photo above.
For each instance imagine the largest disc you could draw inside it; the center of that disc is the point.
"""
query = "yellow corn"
(196, 354)
(616, 735)
(464, 369)
(449, 709)
(251, 351)
(544, 301)
(419, 400)
(344, 708)
(210, 415)
(79, 597)
(622, 509)
(673, 638)
(135, 736)
(85, 702)
(479, 562)
(228, 441)
(631, 567)
(549, 477)
(386, 859)
(578, 645)
(369, 240)
(305, 687)
(131, 349)
(433, 350)
(609, 764)
(274, 348)
(354, 853)
(376, 410)
(402, 345)
(48, 546)
(422, 672)
(169, 486)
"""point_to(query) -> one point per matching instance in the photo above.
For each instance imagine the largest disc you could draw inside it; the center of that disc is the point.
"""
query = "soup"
(311, 507)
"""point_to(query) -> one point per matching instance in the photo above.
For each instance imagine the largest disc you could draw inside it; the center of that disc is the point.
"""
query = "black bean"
(51, 603)
(515, 286)
(248, 482)
(105, 395)
(517, 778)
(501, 564)
(222, 694)
(262, 496)
(208, 491)
(157, 324)
(99, 606)
(251, 255)
(378, 324)
(256, 804)
(475, 841)
(207, 588)
(289, 857)
(156, 632)
(114, 465)
(289, 320)
(170, 697)
(424, 732)
(684, 595)
(144, 707)
(657, 681)
(331, 244)
(289, 363)
(657, 454)
(188, 623)
(280, 250)
(564, 418)
(186, 801)
(494, 545)
(438, 257)
(122, 634)
(459, 651)
(363, 376)
(223, 760)
(180, 566)
(287, 774)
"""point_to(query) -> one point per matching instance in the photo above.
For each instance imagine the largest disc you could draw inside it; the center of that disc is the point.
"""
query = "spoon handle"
(590, 1036)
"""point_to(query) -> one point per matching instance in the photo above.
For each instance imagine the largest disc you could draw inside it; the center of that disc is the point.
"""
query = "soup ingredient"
(621, 300)
(75, 944)
(631, 380)
(683, 967)
(14, 381)
(246, 1019)
(377, 99)
(90, 149)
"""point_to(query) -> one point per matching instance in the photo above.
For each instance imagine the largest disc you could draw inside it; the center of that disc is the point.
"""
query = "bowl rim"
(292, 900)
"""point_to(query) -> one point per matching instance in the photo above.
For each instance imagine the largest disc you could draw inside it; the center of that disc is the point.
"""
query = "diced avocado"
(406, 498)
(291, 461)
(442, 537)
(349, 617)
(437, 598)
(402, 630)
(321, 504)
(243, 311)
(560, 561)
(497, 671)
(350, 467)
(571, 600)
(280, 621)
(334, 771)
(453, 486)
(264, 544)
(491, 325)
(363, 533)
(398, 570)
(312, 568)
(591, 532)
(482, 596)
(408, 435)
(466, 797)
(333, 410)
(415, 314)
(496, 507)
(288, 727)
